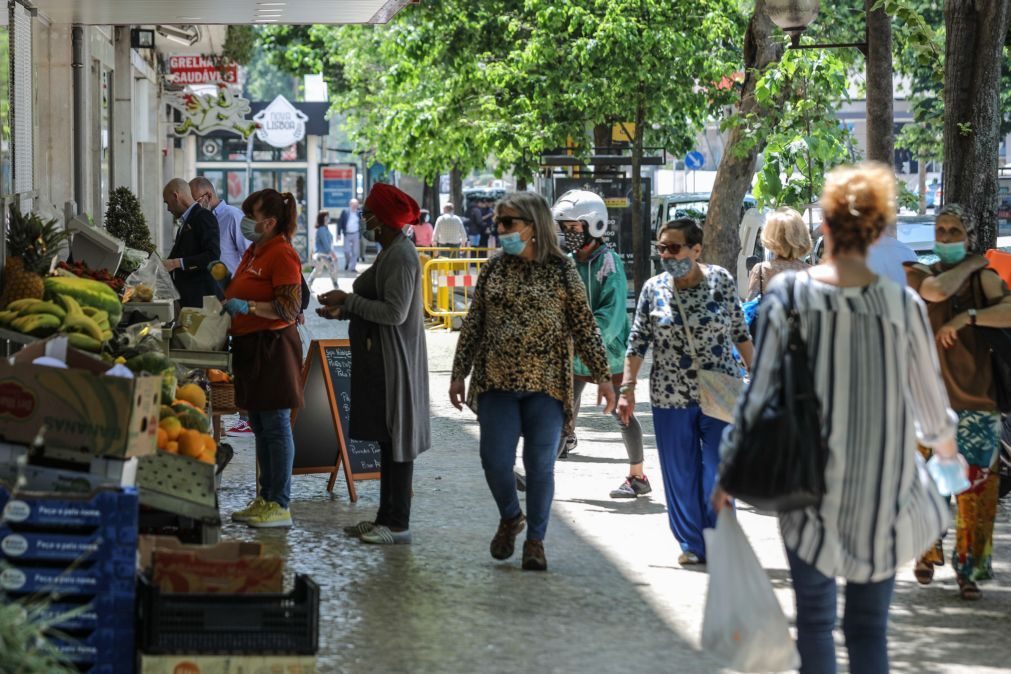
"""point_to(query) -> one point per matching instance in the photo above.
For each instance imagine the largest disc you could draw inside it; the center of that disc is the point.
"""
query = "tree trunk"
(972, 69)
(722, 241)
(921, 176)
(521, 183)
(456, 190)
(641, 238)
(880, 116)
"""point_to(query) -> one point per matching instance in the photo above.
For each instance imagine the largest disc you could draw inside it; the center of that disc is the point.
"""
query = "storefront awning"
(147, 12)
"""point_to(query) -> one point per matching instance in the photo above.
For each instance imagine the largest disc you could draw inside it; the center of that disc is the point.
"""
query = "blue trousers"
(275, 452)
(504, 416)
(865, 622)
(688, 443)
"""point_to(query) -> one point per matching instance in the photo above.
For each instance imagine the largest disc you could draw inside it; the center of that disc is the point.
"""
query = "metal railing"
(448, 288)
(453, 252)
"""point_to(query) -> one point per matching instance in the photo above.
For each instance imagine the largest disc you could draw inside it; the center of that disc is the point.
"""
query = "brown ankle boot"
(533, 556)
(504, 543)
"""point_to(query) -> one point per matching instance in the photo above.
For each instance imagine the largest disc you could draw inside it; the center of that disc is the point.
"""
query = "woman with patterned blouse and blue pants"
(529, 313)
(688, 442)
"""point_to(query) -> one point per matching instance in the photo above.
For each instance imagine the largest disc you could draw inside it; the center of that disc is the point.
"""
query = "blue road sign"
(694, 160)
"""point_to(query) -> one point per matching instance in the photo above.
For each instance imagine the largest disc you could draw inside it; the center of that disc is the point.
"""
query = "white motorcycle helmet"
(582, 205)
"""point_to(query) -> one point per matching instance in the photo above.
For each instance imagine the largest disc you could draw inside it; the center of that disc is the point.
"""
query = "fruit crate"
(249, 624)
(179, 485)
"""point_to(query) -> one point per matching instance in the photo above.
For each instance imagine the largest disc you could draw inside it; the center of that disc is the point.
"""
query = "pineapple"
(31, 246)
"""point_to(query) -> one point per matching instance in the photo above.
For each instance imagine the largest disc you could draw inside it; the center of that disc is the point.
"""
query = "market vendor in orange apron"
(264, 300)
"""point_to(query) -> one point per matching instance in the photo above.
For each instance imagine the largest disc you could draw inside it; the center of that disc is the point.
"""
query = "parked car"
(667, 207)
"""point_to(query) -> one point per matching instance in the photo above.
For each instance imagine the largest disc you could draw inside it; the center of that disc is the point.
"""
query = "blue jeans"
(688, 444)
(865, 621)
(504, 416)
(275, 452)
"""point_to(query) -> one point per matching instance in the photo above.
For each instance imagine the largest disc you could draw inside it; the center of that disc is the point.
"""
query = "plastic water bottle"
(948, 474)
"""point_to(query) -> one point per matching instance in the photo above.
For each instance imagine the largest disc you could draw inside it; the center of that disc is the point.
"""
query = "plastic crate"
(103, 508)
(223, 624)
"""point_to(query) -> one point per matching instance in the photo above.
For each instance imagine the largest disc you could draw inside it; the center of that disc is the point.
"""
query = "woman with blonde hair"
(875, 371)
(788, 238)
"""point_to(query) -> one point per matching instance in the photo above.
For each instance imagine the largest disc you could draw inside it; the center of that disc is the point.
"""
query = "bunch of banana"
(33, 317)
(87, 327)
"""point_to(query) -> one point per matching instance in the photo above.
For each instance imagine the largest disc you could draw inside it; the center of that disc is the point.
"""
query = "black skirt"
(368, 371)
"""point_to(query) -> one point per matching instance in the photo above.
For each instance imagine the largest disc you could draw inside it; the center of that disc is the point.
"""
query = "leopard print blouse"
(522, 326)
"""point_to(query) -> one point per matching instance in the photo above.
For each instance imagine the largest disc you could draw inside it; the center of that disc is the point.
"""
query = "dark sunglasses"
(672, 248)
(506, 221)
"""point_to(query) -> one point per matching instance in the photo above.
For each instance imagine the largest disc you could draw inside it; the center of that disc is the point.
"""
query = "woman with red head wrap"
(389, 360)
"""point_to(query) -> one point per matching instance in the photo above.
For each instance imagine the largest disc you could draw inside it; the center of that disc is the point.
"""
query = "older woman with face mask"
(702, 299)
(389, 360)
(961, 294)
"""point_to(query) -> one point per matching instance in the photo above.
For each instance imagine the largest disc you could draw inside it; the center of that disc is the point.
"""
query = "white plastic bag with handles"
(743, 623)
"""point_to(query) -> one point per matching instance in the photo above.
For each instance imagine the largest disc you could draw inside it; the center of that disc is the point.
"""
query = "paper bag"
(204, 329)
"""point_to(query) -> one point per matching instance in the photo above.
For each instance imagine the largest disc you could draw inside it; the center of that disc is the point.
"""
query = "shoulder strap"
(684, 319)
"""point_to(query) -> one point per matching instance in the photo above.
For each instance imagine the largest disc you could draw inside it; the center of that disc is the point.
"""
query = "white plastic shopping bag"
(743, 624)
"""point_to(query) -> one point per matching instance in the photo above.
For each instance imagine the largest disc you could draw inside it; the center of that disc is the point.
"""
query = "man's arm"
(205, 228)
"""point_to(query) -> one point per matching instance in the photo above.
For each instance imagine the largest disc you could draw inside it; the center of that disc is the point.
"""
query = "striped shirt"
(875, 368)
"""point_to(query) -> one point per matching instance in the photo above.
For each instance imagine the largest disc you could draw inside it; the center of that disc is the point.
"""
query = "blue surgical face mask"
(677, 268)
(512, 243)
(950, 253)
(248, 227)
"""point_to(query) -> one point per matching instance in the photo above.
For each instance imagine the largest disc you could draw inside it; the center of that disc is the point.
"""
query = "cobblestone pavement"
(614, 598)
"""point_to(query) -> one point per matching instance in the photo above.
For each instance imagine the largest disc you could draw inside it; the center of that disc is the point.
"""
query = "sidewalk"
(614, 598)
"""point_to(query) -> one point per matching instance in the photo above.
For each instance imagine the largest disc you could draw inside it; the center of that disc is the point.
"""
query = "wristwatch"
(625, 388)
(972, 316)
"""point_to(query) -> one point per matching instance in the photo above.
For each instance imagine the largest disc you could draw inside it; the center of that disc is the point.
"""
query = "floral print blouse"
(519, 334)
(717, 324)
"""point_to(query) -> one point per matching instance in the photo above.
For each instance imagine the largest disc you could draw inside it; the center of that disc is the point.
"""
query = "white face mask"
(248, 227)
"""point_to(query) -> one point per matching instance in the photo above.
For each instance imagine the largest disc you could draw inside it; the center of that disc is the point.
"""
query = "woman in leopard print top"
(528, 314)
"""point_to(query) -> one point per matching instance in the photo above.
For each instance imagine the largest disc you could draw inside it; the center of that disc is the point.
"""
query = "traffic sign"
(694, 160)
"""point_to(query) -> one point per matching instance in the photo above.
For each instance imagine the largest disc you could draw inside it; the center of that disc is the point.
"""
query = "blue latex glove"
(236, 306)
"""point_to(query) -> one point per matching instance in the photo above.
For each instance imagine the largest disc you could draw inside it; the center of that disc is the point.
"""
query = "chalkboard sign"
(320, 428)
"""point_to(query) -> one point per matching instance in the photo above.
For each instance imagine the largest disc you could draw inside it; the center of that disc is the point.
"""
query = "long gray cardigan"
(399, 314)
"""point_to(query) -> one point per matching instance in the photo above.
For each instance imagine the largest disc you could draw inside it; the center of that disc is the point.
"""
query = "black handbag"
(777, 463)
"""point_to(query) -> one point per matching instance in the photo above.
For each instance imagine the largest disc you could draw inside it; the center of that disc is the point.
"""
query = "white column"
(312, 156)
(124, 155)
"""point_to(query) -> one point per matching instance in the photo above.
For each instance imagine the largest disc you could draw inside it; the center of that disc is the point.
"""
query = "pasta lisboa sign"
(280, 124)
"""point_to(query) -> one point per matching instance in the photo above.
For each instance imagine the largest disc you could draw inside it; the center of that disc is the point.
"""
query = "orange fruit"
(172, 427)
(172, 447)
(190, 443)
(193, 394)
(217, 376)
(206, 457)
(162, 438)
(209, 444)
(219, 272)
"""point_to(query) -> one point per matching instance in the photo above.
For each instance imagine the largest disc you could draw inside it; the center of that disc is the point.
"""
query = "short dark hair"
(687, 226)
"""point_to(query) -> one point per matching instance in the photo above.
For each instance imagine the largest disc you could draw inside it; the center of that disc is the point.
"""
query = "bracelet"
(972, 316)
(252, 308)
(625, 388)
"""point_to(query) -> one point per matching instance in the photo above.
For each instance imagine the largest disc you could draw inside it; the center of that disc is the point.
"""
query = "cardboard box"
(232, 567)
(100, 472)
(227, 664)
(84, 413)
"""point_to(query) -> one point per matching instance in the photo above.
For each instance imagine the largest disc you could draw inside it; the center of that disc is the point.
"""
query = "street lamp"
(794, 16)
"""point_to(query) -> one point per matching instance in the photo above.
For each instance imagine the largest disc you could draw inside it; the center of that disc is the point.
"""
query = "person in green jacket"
(582, 217)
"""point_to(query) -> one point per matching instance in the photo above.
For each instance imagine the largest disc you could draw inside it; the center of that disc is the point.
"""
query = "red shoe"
(239, 429)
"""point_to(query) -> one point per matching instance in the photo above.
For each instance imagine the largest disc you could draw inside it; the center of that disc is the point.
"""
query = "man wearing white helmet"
(582, 217)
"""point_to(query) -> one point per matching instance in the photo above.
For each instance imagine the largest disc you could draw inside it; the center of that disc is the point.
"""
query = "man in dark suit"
(197, 245)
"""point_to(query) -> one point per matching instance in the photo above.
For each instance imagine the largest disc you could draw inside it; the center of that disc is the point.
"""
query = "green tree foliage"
(125, 220)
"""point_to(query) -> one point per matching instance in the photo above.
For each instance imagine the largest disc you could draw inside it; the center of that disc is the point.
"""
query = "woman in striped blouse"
(876, 373)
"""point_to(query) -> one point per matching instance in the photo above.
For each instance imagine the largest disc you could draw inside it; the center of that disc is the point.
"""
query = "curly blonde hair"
(858, 203)
(786, 235)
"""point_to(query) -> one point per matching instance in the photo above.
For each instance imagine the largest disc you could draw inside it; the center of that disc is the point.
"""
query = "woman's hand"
(626, 405)
(605, 392)
(332, 313)
(457, 393)
(947, 335)
(334, 298)
(721, 499)
(946, 449)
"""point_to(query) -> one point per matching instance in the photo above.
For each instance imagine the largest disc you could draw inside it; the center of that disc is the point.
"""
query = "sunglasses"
(506, 221)
(672, 248)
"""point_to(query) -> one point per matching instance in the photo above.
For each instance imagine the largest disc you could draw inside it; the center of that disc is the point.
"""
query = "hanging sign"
(198, 69)
(201, 114)
(280, 124)
(337, 185)
(320, 427)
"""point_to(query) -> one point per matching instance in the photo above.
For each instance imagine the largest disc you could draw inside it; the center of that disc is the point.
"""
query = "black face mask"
(573, 241)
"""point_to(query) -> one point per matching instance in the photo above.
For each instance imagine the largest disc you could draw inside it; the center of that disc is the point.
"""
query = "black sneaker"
(569, 445)
(632, 487)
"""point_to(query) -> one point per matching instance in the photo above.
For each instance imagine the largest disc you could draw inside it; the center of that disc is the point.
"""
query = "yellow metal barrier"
(451, 252)
(448, 286)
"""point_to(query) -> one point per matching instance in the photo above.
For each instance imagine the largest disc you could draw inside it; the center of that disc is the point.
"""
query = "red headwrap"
(392, 206)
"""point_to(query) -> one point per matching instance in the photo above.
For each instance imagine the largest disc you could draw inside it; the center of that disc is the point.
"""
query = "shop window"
(233, 148)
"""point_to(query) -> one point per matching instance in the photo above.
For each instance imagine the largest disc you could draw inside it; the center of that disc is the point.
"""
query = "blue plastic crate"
(104, 544)
(103, 508)
(102, 646)
(101, 611)
(113, 577)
